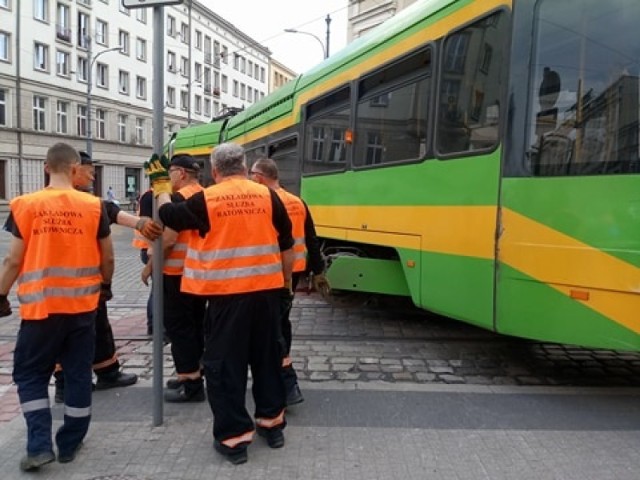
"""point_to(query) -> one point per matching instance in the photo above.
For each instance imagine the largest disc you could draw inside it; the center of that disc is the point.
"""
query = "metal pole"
(326, 50)
(189, 73)
(89, 86)
(157, 259)
(19, 98)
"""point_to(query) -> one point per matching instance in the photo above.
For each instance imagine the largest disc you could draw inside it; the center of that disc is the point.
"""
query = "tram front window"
(584, 106)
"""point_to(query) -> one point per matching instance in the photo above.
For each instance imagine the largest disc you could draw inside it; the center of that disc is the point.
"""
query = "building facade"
(279, 74)
(49, 49)
(367, 14)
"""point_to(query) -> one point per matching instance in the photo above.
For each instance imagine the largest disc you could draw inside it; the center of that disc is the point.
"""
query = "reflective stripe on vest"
(240, 253)
(298, 215)
(174, 263)
(60, 272)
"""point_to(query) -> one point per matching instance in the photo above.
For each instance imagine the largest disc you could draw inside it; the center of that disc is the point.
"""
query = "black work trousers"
(183, 324)
(105, 360)
(243, 330)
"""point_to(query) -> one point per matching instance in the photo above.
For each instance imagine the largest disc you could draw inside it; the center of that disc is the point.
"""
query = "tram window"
(325, 147)
(285, 154)
(255, 153)
(391, 119)
(584, 106)
(470, 85)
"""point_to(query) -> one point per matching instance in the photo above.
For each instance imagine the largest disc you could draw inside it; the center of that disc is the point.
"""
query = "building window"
(41, 10)
(63, 27)
(82, 69)
(4, 4)
(225, 54)
(62, 63)
(123, 82)
(171, 97)
(184, 100)
(140, 131)
(39, 113)
(198, 40)
(197, 100)
(62, 121)
(3, 108)
(102, 34)
(225, 84)
(184, 33)
(4, 46)
(123, 40)
(141, 49)
(122, 128)
(41, 57)
(256, 71)
(171, 26)
(141, 87)
(184, 66)
(171, 62)
(81, 124)
(102, 75)
(101, 121)
(261, 74)
(197, 72)
(83, 30)
(141, 15)
(207, 107)
(123, 9)
(235, 88)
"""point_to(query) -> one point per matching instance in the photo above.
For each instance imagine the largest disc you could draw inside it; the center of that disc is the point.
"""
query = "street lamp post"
(89, 88)
(325, 51)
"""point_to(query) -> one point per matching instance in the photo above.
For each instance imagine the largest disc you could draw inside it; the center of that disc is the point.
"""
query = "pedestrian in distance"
(61, 256)
(239, 257)
(183, 312)
(106, 365)
(306, 250)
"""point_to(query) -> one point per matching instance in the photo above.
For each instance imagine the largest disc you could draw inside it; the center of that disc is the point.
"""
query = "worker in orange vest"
(239, 257)
(306, 250)
(61, 256)
(183, 312)
(106, 365)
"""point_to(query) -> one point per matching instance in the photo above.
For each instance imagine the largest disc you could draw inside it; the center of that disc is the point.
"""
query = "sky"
(265, 21)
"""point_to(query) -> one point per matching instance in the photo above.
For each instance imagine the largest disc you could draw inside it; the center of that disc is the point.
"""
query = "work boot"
(173, 383)
(29, 463)
(274, 436)
(58, 396)
(115, 379)
(237, 455)
(66, 457)
(294, 396)
(188, 391)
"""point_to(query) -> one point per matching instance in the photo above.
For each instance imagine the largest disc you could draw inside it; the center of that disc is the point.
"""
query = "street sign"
(149, 3)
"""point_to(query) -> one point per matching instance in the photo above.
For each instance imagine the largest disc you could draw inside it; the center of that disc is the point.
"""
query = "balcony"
(63, 33)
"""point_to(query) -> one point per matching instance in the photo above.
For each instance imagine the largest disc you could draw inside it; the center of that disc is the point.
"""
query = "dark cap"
(185, 161)
(85, 159)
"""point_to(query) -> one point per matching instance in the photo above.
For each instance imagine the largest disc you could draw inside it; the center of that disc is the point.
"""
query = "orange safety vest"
(174, 263)
(240, 253)
(60, 273)
(139, 241)
(298, 215)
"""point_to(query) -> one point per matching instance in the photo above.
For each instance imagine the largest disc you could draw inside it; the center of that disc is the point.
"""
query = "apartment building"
(49, 49)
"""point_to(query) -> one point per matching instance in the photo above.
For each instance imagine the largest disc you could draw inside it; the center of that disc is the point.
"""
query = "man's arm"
(11, 264)
(107, 260)
(188, 215)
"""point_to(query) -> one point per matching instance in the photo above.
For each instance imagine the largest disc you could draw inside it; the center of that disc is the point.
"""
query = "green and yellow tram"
(480, 157)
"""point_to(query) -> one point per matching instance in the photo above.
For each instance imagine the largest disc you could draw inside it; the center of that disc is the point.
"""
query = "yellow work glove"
(157, 169)
(321, 284)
